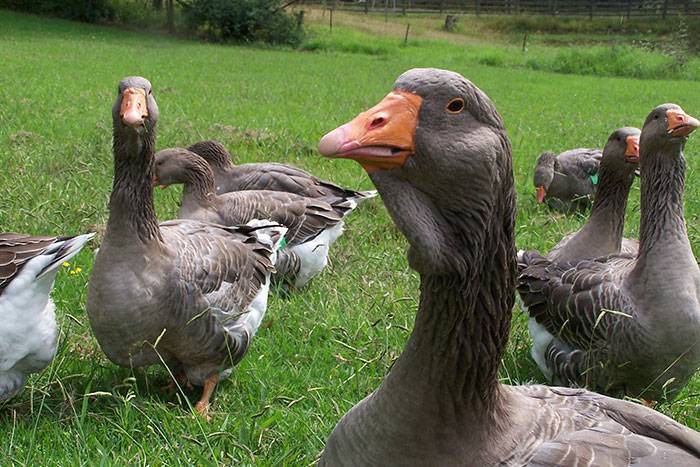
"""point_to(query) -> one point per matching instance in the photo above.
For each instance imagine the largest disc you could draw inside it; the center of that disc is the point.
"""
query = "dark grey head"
(213, 152)
(135, 109)
(667, 126)
(178, 165)
(437, 150)
(544, 173)
(621, 152)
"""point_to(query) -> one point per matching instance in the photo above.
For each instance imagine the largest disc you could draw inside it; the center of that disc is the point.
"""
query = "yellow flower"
(75, 271)
(66, 264)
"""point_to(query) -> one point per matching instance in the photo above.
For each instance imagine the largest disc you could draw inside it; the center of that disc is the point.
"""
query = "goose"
(566, 181)
(313, 224)
(267, 176)
(187, 294)
(626, 324)
(437, 152)
(28, 329)
(602, 233)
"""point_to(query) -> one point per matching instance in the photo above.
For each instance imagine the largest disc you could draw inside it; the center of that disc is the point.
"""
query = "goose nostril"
(377, 122)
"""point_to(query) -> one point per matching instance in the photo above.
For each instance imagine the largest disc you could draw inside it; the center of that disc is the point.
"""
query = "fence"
(628, 8)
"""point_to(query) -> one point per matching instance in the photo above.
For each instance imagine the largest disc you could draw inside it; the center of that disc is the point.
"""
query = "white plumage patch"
(313, 255)
(28, 330)
(541, 338)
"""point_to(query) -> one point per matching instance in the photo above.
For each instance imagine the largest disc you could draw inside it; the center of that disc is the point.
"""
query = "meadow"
(320, 350)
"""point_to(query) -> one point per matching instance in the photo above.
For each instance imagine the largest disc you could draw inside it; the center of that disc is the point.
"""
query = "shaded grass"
(319, 351)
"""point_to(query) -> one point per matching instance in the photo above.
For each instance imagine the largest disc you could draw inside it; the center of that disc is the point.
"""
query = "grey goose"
(185, 293)
(565, 182)
(602, 233)
(28, 329)
(267, 176)
(626, 323)
(437, 152)
(313, 224)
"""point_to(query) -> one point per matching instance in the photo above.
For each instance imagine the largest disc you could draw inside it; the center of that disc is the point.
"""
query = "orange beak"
(632, 151)
(133, 110)
(380, 138)
(680, 123)
(540, 193)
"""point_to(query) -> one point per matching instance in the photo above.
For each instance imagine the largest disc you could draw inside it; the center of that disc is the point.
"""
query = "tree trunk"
(170, 10)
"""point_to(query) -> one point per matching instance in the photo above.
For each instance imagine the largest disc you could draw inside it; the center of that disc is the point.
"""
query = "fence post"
(629, 9)
(478, 7)
(591, 9)
(366, 6)
(405, 38)
(664, 10)
(331, 19)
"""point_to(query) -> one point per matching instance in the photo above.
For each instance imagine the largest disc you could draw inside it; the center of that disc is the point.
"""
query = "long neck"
(607, 219)
(449, 368)
(199, 189)
(662, 225)
(132, 217)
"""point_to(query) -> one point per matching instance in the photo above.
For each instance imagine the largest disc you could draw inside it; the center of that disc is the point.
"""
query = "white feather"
(28, 330)
(541, 338)
(313, 255)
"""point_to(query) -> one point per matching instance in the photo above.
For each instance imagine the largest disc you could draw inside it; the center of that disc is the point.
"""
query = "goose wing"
(582, 162)
(228, 265)
(282, 177)
(578, 427)
(305, 218)
(580, 311)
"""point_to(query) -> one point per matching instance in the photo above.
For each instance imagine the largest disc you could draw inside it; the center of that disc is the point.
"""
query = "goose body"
(441, 403)
(28, 329)
(313, 224)
(626, 323)
(185, 293)
(267, 176)
(602, 233)
(568, 180)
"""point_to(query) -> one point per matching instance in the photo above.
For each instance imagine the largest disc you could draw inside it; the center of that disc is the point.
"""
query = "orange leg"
(202, 406)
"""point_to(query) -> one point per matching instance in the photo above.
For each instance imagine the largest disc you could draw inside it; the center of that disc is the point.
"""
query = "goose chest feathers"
(185, 293)
(438, 153)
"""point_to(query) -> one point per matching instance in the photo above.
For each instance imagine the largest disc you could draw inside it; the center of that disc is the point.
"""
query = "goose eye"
(456, 105)
(656, 117)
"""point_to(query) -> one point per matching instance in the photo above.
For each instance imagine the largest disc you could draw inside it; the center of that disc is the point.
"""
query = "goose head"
(216, 155)
(178, 165)
(135, 112)
(436, 149)
(667, 126)
(621, 151)
(544, 174)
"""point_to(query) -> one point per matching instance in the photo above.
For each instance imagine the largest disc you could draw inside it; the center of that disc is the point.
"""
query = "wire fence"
(591, 8)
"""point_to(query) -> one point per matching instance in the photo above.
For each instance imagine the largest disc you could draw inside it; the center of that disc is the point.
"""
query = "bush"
(243, 20)
(91, 11)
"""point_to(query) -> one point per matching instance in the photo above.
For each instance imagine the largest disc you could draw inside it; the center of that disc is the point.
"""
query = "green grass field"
(319, 351)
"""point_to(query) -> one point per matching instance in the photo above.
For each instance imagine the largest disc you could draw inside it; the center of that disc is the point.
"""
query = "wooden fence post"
(664, 10)
(405, 38)
(331, 19)
(478, 7)
(591, 9)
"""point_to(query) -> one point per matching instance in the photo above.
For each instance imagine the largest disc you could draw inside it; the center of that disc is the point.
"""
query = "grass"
(515, 44)
(320, 351)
